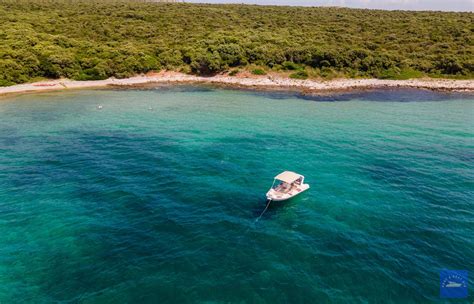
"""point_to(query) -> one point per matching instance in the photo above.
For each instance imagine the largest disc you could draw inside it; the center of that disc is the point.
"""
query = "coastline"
(246, 80)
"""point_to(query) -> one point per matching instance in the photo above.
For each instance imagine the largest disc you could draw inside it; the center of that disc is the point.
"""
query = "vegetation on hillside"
(95, 40)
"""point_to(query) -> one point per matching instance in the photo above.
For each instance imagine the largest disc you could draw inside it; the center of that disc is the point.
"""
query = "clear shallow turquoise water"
(128, 204)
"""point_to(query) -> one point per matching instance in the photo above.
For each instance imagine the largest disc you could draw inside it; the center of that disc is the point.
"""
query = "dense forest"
(98, 39)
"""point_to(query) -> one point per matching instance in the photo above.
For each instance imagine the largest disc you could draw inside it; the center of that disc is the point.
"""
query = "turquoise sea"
(154, 197)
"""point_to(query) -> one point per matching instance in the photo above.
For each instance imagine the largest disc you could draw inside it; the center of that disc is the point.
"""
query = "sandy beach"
(246, 80)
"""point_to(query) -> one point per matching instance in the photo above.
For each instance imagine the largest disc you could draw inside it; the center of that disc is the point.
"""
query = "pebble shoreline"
(259, 82)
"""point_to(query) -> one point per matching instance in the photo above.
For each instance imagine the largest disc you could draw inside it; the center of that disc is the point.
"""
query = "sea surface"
(154, 197)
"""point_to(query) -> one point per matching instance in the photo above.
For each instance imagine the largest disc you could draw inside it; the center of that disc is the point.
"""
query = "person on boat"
(283, 187)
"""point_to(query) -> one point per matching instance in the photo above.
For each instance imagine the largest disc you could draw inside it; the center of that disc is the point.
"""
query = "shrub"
(299, 75)
(449, 65)
(231, 54)
(290, 66)
(258, 72)
(207, 64)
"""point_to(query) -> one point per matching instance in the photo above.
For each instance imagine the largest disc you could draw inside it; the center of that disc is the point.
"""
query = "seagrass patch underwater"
(153, 197)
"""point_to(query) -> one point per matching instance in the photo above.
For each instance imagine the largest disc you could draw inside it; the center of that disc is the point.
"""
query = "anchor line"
(264, 210)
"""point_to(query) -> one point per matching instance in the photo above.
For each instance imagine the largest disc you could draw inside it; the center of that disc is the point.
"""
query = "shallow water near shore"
(154, 197)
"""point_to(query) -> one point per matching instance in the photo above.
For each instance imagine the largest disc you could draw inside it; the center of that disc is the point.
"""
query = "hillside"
(86, 40)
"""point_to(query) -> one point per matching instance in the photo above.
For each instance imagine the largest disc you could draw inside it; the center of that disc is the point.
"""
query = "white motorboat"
(286, 185)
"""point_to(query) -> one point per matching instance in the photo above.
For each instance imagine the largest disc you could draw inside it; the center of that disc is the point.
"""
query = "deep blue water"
(153, 198)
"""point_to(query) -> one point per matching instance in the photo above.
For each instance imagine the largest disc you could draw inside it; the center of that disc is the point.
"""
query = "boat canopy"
(288, 177)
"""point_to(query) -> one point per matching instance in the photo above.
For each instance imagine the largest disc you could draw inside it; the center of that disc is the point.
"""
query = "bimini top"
(288, 177)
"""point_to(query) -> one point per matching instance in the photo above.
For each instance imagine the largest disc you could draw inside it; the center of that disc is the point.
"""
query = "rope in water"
(268, 205)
